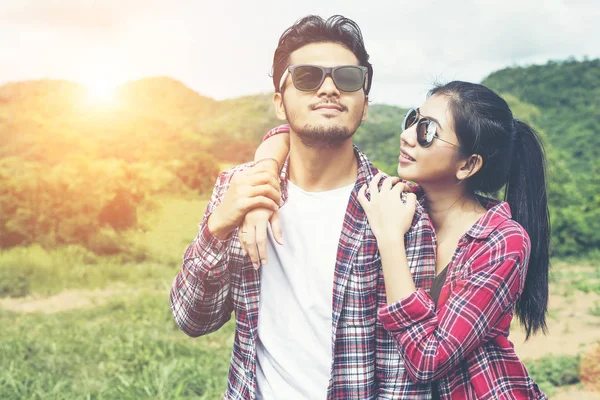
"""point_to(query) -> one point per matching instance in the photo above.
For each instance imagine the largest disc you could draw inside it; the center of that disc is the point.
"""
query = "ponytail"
(526, 195)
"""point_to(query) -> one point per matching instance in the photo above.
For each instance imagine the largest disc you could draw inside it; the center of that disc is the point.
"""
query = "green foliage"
(68, 203)
(72, 172)
(25, 270)
(126, 346)
(129, 348)
(582, 279)
(13, 281)
(595, 309)
(379, 136)
(568, 94)
(144, 257)
(197, 173)
(566, 97)
(551, 371)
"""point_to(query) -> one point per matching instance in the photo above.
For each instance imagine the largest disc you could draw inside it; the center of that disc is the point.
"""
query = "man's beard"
(322, 136)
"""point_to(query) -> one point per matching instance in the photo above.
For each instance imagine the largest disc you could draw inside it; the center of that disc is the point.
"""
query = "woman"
(491, 256)
(464, 142)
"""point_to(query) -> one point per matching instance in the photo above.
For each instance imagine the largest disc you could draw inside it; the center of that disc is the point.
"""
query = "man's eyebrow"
(431, 118)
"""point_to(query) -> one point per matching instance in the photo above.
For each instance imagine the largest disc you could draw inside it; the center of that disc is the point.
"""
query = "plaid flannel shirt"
(463, 344)
(216, 279)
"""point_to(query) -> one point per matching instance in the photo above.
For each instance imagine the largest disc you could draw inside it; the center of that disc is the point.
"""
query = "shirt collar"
(365, 172)
(497, 213)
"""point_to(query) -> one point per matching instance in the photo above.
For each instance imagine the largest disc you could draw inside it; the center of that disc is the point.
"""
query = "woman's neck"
(451, 207)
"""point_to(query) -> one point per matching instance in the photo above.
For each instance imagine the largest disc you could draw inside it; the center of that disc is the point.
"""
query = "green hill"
(566, 98)
(567, 94)
(71, 168)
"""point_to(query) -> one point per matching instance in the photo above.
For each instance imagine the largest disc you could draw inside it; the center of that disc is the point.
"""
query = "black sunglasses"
(308, 78)
(426, 128)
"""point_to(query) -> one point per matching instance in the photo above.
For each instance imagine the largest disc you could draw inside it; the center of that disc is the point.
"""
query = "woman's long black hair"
(513, 158)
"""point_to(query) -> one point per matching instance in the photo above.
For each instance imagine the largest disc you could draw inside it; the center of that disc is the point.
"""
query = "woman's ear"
(470, 167)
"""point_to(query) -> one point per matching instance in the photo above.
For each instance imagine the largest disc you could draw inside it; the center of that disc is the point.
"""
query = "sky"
(224, 49)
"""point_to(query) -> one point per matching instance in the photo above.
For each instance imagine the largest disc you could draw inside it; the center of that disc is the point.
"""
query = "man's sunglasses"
(308, 78)
(426, 128)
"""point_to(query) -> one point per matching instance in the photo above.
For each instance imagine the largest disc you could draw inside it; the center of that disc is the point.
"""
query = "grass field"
(89, 327)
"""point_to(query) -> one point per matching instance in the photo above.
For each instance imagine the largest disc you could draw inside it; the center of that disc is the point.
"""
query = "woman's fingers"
(394, 180)
(276, 227)
(250, 240)
(261, 243)
(411, 199)
(374, 185)
(362, 196)
(241, 237)
(387, 184)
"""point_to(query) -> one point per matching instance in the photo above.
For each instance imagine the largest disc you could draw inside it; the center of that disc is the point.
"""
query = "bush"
(105, 242)
(197, 172)
(554, 370)
(13, 282)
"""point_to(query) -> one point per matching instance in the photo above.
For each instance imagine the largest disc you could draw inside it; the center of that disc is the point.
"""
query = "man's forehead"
(325, 54)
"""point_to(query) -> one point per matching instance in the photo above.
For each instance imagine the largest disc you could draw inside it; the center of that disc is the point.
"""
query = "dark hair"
(314, 29)
(513, 158)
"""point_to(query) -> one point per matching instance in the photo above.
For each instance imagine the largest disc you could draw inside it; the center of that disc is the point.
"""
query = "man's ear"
(279, 107)
(365, 109)
(470, 167)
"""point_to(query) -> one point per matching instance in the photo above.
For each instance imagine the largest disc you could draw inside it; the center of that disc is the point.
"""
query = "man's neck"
(322, 169)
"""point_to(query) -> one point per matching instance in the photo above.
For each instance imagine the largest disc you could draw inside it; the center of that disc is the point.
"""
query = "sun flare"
(101, 91)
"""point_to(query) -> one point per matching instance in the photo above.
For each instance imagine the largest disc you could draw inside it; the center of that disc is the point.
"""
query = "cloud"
(225, 50)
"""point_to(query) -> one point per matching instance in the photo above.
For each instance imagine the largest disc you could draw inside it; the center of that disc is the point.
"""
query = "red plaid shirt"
(463, 344)
(216, 280)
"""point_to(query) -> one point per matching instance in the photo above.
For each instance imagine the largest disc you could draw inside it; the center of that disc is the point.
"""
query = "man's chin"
(324, 135)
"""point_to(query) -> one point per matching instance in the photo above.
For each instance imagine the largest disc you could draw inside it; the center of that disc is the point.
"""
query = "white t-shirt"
(294, 322)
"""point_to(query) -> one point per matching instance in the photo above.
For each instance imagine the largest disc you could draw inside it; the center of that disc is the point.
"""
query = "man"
(306, 325)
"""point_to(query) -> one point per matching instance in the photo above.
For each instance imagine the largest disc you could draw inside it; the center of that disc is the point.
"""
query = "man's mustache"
(328, 102)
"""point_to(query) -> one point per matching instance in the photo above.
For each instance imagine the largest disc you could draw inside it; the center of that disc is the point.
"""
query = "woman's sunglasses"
(308, 78)
(426, 128)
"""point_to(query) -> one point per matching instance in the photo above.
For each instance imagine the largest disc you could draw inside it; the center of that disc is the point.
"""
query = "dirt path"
(571, 328)
(573, 392)
(63, 301)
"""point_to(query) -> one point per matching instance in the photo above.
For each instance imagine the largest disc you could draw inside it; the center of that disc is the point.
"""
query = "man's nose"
(328, 88)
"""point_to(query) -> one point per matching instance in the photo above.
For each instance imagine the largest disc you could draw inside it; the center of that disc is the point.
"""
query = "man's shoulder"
(364, 163)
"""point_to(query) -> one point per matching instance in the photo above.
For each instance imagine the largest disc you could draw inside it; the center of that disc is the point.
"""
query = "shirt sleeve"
(200, 296)
(389, 368)
(276, 131)
(432, 343)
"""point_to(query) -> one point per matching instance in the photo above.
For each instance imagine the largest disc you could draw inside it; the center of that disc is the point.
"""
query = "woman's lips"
(405, 158)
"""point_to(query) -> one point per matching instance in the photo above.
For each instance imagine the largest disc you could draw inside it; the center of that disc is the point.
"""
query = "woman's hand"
(390, 210)
(255, 187)
(253, 229)
(253, 234)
